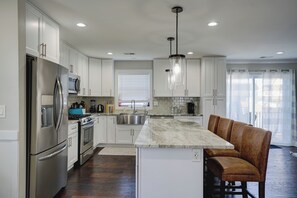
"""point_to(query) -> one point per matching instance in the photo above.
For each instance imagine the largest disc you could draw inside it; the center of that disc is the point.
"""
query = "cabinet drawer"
(72, 128)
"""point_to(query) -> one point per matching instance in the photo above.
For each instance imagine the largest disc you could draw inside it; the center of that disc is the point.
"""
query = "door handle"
(45, 50)
(53, 154)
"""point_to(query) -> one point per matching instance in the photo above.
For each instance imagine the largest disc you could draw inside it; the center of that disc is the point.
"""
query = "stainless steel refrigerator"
(47, 127)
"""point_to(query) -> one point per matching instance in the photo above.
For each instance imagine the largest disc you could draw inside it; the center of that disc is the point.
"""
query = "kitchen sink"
(131, 119)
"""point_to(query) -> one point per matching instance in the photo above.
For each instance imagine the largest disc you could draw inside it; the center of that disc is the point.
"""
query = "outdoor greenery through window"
(133, 86)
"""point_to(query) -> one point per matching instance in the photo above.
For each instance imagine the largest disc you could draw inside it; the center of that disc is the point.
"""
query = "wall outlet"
(196, 153)
(156, 103)
(2, 111)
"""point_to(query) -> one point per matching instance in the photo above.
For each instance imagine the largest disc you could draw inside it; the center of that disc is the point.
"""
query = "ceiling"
(248, 29)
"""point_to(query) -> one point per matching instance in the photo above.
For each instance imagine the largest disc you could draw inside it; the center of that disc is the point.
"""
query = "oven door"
(86, 138)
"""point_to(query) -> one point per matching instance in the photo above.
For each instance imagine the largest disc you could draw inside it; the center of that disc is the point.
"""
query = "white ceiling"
(248, 29)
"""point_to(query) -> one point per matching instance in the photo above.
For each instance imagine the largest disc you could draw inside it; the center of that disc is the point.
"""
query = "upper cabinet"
(101, 77)
(83, 72)
(107, 80)
(213, 77)
(191, 88)
(42, 35)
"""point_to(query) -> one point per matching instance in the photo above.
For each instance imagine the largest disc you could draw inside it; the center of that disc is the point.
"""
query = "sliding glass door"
(265, 99)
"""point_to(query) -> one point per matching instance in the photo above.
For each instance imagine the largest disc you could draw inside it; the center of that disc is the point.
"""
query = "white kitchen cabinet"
(193, 78)
(213, 77)
(73, 60)
(72, 145)
(111, 129)
(64, 55)
(83, 72)
(212, 105)
(127, 134)
(107, 78)
(191, 88)
(161, 78)
(42, 35)
(100, 133)
(95, 77)
(213, 87)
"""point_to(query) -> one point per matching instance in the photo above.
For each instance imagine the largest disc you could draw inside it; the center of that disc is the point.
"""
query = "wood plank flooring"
(114, 177)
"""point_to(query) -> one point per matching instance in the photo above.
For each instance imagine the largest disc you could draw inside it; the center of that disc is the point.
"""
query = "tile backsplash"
(163, 105)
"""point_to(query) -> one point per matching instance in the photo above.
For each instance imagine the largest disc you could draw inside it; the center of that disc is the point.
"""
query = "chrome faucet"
(133, 101)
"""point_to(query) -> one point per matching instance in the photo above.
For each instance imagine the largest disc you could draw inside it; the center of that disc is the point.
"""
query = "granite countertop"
(170, 133)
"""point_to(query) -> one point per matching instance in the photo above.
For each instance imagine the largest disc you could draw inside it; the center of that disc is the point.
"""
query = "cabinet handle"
(113, 120)
(84, 91)
(110, 92)
(71, 68)
(215, 102)
(133, 132)
(72, 128)
(41, 46)
(45, 50)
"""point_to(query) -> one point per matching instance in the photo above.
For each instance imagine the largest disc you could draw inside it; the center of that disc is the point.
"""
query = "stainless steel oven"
(86, 131)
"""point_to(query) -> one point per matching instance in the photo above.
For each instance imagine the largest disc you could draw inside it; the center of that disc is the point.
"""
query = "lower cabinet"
(111, 129)
(127, 134)
(72, 145)
(100, 135)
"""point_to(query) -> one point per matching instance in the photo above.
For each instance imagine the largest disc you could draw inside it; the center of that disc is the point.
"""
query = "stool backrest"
(213, 123)
(255, 148)
(236, 134)
(224, 128)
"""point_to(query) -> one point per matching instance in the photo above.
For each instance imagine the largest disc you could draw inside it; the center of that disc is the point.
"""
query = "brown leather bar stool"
(235, 139)
(224, 128)
(252, 165)
(213, 123)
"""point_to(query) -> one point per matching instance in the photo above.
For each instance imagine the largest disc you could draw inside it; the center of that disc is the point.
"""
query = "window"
(134, 85)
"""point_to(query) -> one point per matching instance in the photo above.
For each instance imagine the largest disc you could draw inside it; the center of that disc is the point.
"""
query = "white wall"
(12, 89)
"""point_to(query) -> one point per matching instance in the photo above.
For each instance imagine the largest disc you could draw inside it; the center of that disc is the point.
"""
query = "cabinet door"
(83, 72)
(73, 61)
(220, 80)
(193, 78)
(64, 55)
(95, 77)
(102, 130)
(124, 136)
(33, 26)
(111, 129)
(208, 108)
(96, 133)
(107, 80)
(220, 106)
(72, 149)
(161, 78)
(208, 76)
(50, 38)
(135, 134)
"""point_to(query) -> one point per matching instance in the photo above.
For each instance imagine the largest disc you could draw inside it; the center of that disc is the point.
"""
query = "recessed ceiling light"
(190, 53)
(109, 53)
(212, 24)
(280, 52)
(81, 25)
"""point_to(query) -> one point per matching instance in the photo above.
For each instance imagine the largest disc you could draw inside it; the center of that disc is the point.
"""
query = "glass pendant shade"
(177, 71)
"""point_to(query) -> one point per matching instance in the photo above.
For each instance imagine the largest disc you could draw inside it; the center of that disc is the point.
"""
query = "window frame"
(134, 72)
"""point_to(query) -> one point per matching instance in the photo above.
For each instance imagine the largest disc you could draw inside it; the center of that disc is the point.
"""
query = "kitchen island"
(169, 159)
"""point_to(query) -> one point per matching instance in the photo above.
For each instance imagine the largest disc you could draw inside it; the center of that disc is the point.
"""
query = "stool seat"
(233, 169)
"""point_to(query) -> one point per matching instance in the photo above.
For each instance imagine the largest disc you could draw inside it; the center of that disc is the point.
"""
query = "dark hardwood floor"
(114, 177)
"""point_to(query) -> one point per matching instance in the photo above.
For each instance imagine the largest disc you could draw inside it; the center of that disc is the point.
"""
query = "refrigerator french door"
(47, 127)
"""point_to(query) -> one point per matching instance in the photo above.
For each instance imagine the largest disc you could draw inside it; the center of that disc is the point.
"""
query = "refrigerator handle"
(61, 100)
(57, 120)
(53, 154)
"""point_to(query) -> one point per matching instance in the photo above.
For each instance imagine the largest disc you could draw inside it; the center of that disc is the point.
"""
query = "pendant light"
(177, 61)
(170, 76)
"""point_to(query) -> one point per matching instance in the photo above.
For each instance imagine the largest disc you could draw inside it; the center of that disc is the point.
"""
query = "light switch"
(2, 111)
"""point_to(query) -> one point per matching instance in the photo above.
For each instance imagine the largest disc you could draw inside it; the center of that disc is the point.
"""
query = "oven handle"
(91, 124)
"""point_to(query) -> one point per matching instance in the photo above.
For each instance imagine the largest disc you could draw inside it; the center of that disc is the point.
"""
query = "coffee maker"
(191, 108)
(93, 106)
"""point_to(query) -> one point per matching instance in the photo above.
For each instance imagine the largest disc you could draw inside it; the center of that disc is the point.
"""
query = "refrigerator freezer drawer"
(48, 172)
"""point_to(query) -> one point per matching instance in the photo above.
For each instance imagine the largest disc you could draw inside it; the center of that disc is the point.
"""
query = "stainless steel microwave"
(73, 84)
